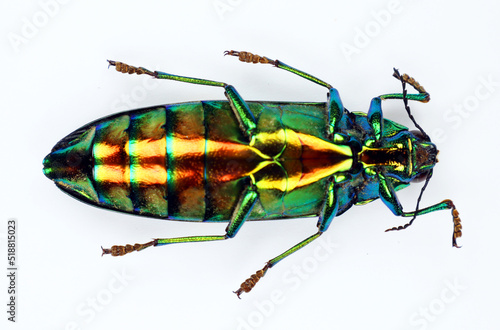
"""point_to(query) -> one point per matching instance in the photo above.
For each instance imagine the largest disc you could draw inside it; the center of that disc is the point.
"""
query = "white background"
(54, 79)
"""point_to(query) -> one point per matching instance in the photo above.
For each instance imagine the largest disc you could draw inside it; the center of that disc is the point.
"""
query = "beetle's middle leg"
(335, 108)
(242, 211)
(328, 212)
(238, 104)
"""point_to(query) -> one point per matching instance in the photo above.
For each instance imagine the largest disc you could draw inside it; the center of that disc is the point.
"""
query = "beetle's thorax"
(298, 159)
(396, 156)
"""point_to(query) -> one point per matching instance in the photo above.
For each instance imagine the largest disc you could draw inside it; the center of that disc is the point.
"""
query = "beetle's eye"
(420, 177)
(420, 135)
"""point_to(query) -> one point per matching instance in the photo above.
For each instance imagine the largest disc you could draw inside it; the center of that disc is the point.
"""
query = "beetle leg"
(248, 285)
(238, 104)
(375, 118)
(330, 208)
(422, 95)
(335, 109)
(328, 212)
(240, 215)
(252, 58)
(242, 211)
(390, 199)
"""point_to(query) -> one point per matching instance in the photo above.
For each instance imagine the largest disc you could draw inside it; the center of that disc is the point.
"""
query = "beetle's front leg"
(390, 199)
(335, 109)
(422, 95)
(328, 212)
(240, 215)
(375, 118)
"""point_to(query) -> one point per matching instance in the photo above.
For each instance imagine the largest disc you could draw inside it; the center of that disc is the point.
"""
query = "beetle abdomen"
(191, 161)
(130, 172)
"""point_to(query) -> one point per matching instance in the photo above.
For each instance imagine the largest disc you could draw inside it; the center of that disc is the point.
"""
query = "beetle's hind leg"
(242, 211)
(238, 104)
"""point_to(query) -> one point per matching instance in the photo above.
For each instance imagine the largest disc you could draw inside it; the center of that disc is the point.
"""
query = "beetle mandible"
(233, 160)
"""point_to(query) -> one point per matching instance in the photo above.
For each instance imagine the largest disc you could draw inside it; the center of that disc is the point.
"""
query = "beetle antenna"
(428, 177)
(405, 101)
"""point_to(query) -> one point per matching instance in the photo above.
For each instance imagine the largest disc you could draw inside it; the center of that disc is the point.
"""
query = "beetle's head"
(408, 156)
(69, 164)
(424, 156)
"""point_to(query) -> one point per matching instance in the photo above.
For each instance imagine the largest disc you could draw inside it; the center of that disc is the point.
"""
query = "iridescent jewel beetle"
(233, 160)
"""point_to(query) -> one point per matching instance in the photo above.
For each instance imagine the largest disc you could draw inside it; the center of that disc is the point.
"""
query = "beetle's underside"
(236, 161)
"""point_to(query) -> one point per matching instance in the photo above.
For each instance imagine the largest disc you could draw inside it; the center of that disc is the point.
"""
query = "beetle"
(233, 160)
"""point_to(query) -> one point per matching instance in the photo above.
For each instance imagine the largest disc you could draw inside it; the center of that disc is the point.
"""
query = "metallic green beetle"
(236, 160)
